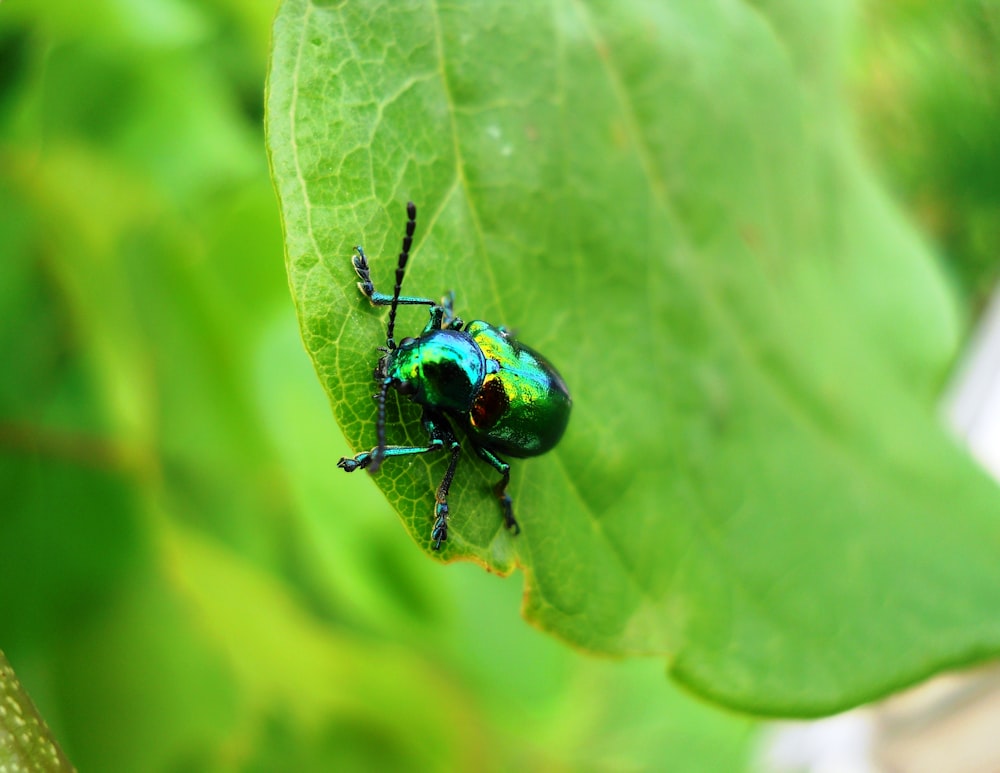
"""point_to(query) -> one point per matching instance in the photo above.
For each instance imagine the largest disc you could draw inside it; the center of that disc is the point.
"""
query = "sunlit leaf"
(666, 200)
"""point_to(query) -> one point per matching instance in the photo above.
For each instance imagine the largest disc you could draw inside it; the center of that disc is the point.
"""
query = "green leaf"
(667, 200)
(26, 744)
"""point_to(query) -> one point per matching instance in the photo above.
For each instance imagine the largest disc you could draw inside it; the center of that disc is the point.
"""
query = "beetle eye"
(408, 341)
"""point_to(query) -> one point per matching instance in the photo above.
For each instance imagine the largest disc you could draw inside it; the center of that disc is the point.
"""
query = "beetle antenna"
(376, 461)
(411, 226)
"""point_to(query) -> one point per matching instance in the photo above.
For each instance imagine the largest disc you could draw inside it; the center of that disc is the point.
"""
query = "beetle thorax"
(442, 369)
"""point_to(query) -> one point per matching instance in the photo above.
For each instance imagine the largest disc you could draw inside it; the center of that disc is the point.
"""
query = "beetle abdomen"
(523, 405)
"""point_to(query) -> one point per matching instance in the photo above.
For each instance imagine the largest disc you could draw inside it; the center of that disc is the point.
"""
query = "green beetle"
(506, 397)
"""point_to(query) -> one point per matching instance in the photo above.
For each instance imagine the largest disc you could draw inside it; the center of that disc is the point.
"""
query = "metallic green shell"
(511, 399)
(523, 405)
(442, 369)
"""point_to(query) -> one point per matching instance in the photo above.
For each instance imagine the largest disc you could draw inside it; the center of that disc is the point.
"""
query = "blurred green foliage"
(186, 583)
(928, 82)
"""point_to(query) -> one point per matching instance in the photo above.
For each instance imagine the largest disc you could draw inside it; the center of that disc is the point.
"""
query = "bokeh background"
(186, 582)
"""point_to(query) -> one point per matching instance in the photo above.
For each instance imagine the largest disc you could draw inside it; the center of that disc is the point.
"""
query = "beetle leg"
(437, 316)
(440, 320)
(500, 490)
(440, 430)
(362, 460)
(442, 436)
(367, 287)
(439, 532)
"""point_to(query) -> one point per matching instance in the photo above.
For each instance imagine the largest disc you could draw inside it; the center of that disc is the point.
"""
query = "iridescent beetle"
(506, 397)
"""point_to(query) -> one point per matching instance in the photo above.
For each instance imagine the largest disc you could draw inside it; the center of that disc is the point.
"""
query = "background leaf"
(667, 201)
(25, 741)
(929, 89)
